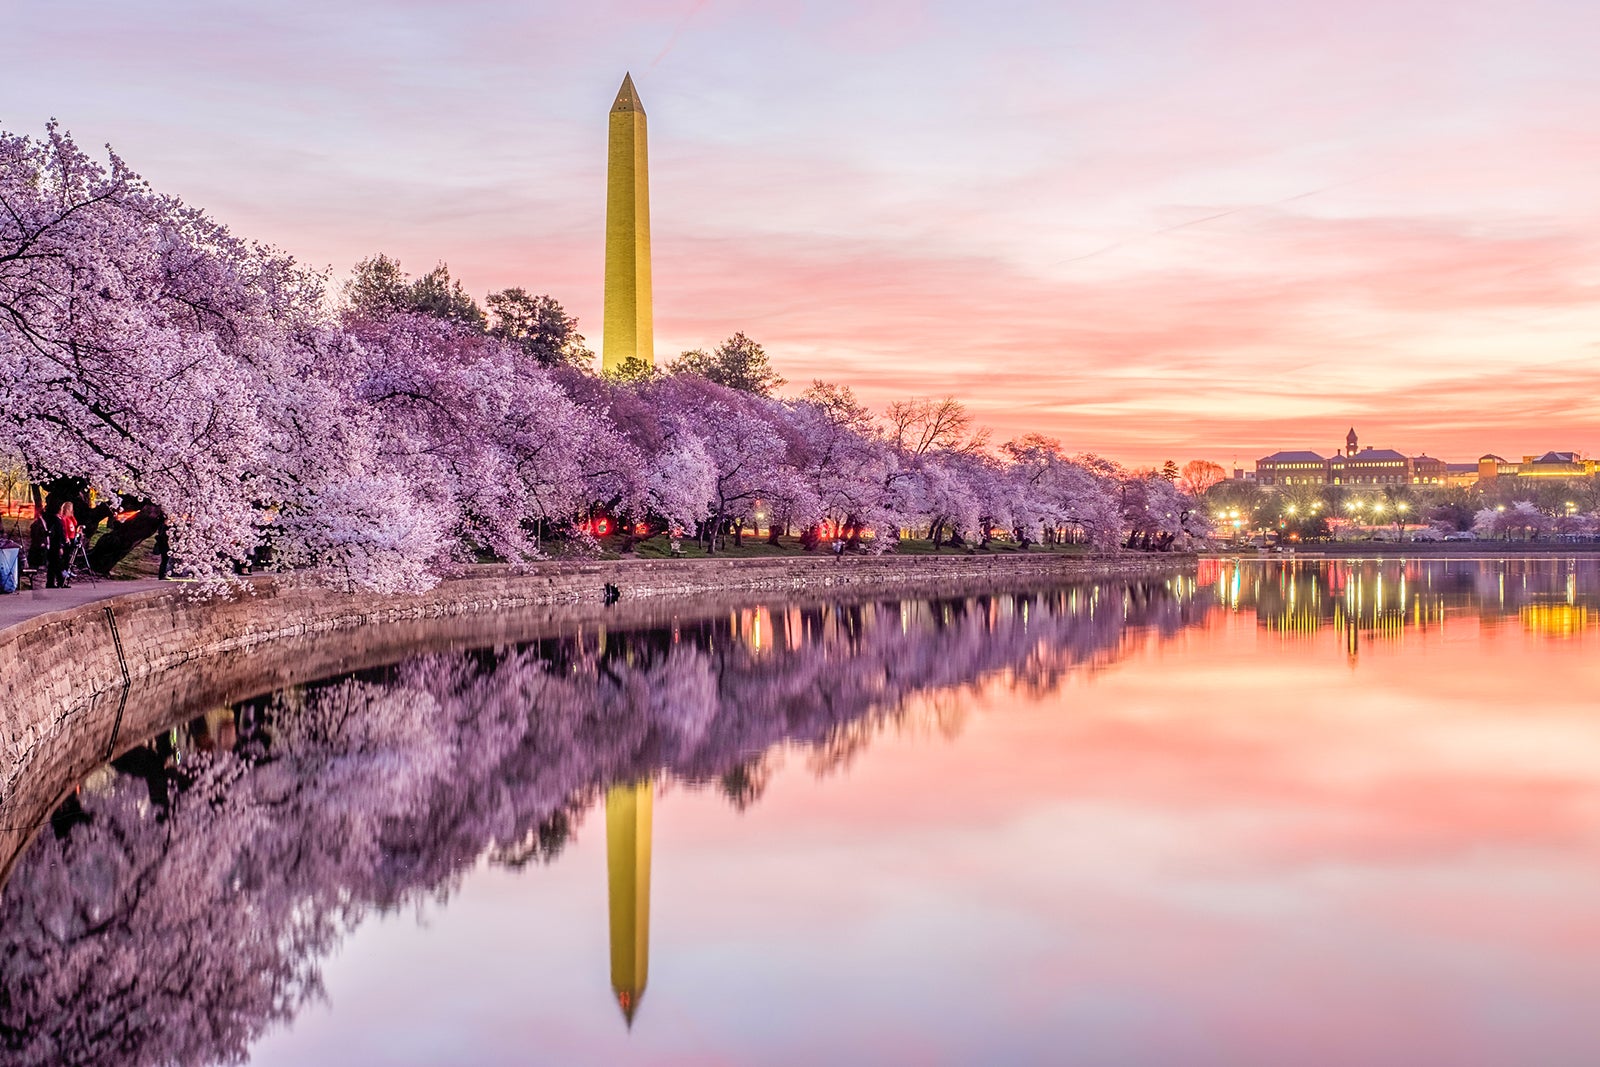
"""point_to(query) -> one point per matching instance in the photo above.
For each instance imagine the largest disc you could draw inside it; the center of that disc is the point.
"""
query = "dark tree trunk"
(122, 538)
(715, 528)
(61, 490)
(93, 517)
(625, 527)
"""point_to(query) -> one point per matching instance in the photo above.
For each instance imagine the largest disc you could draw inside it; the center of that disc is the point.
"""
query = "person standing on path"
(38, 541)
(163, 549)
(72, 538)
(56, 559)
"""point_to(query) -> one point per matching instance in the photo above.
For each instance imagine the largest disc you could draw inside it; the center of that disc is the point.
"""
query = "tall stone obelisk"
(629, 329)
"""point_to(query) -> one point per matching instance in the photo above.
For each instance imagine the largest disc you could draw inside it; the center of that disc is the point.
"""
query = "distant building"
(1425, 470)
(1352, 465)
(1493, 466)
(1291, 468)
(1554, 465)
(1370, 466)
(1385, 468)
(1549, 465)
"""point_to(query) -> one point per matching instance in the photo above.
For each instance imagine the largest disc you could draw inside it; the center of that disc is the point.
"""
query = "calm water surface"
(1265, 813)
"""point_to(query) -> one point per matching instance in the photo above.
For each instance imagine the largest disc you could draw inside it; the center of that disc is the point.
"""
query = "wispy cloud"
(1140, 230)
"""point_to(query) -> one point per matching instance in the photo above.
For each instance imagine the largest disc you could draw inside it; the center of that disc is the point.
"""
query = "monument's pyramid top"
(627, 97)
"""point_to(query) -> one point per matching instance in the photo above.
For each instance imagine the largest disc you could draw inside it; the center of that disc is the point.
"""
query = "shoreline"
(1413, 550)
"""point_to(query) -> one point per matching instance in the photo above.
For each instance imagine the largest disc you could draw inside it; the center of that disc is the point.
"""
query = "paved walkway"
(24, 605)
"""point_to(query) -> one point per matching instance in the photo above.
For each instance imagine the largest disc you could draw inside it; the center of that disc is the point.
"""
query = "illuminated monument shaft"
(629, 329)
(628, 811)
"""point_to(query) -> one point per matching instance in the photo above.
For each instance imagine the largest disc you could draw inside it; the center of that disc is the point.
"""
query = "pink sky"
(1154, 230)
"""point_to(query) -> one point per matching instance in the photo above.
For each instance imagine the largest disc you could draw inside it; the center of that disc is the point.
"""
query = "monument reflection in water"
(1332, 813)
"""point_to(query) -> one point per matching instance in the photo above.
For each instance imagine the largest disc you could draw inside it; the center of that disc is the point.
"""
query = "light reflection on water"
(1345, 812)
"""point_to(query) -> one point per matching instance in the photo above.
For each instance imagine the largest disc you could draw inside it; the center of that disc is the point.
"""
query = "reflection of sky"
(1153, 228)
(1200, 855)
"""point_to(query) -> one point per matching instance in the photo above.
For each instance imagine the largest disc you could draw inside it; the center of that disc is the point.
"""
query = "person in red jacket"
(70, 526)
(71, 536)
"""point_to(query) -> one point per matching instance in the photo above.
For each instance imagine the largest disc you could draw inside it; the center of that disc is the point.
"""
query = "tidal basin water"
(1254, 813)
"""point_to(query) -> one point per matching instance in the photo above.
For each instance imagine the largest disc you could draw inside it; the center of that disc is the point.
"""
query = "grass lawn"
(659, 547)
(912, 546)
(142, 561)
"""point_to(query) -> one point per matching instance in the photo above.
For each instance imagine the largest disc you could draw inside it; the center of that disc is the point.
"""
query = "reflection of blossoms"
(178, 908)
(135, 938)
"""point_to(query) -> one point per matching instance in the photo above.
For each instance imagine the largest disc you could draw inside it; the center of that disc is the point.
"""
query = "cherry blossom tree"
(736, 433)
(1521, 521)
(155, 355)
(1158, 514)
(1056, 496)
(844, 468)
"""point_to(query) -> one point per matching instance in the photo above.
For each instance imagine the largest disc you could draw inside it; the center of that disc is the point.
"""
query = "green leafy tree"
(738, 363)
(1300, 511)
(1249, 500)
(540, 326)
(633, 371)
(379, 287)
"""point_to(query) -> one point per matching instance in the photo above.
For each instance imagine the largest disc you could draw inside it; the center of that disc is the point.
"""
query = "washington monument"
(629, 332)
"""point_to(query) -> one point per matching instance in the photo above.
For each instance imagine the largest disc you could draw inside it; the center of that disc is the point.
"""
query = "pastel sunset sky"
(1151, 229)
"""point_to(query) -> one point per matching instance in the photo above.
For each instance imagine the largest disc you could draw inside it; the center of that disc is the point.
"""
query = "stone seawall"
(87, 682)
